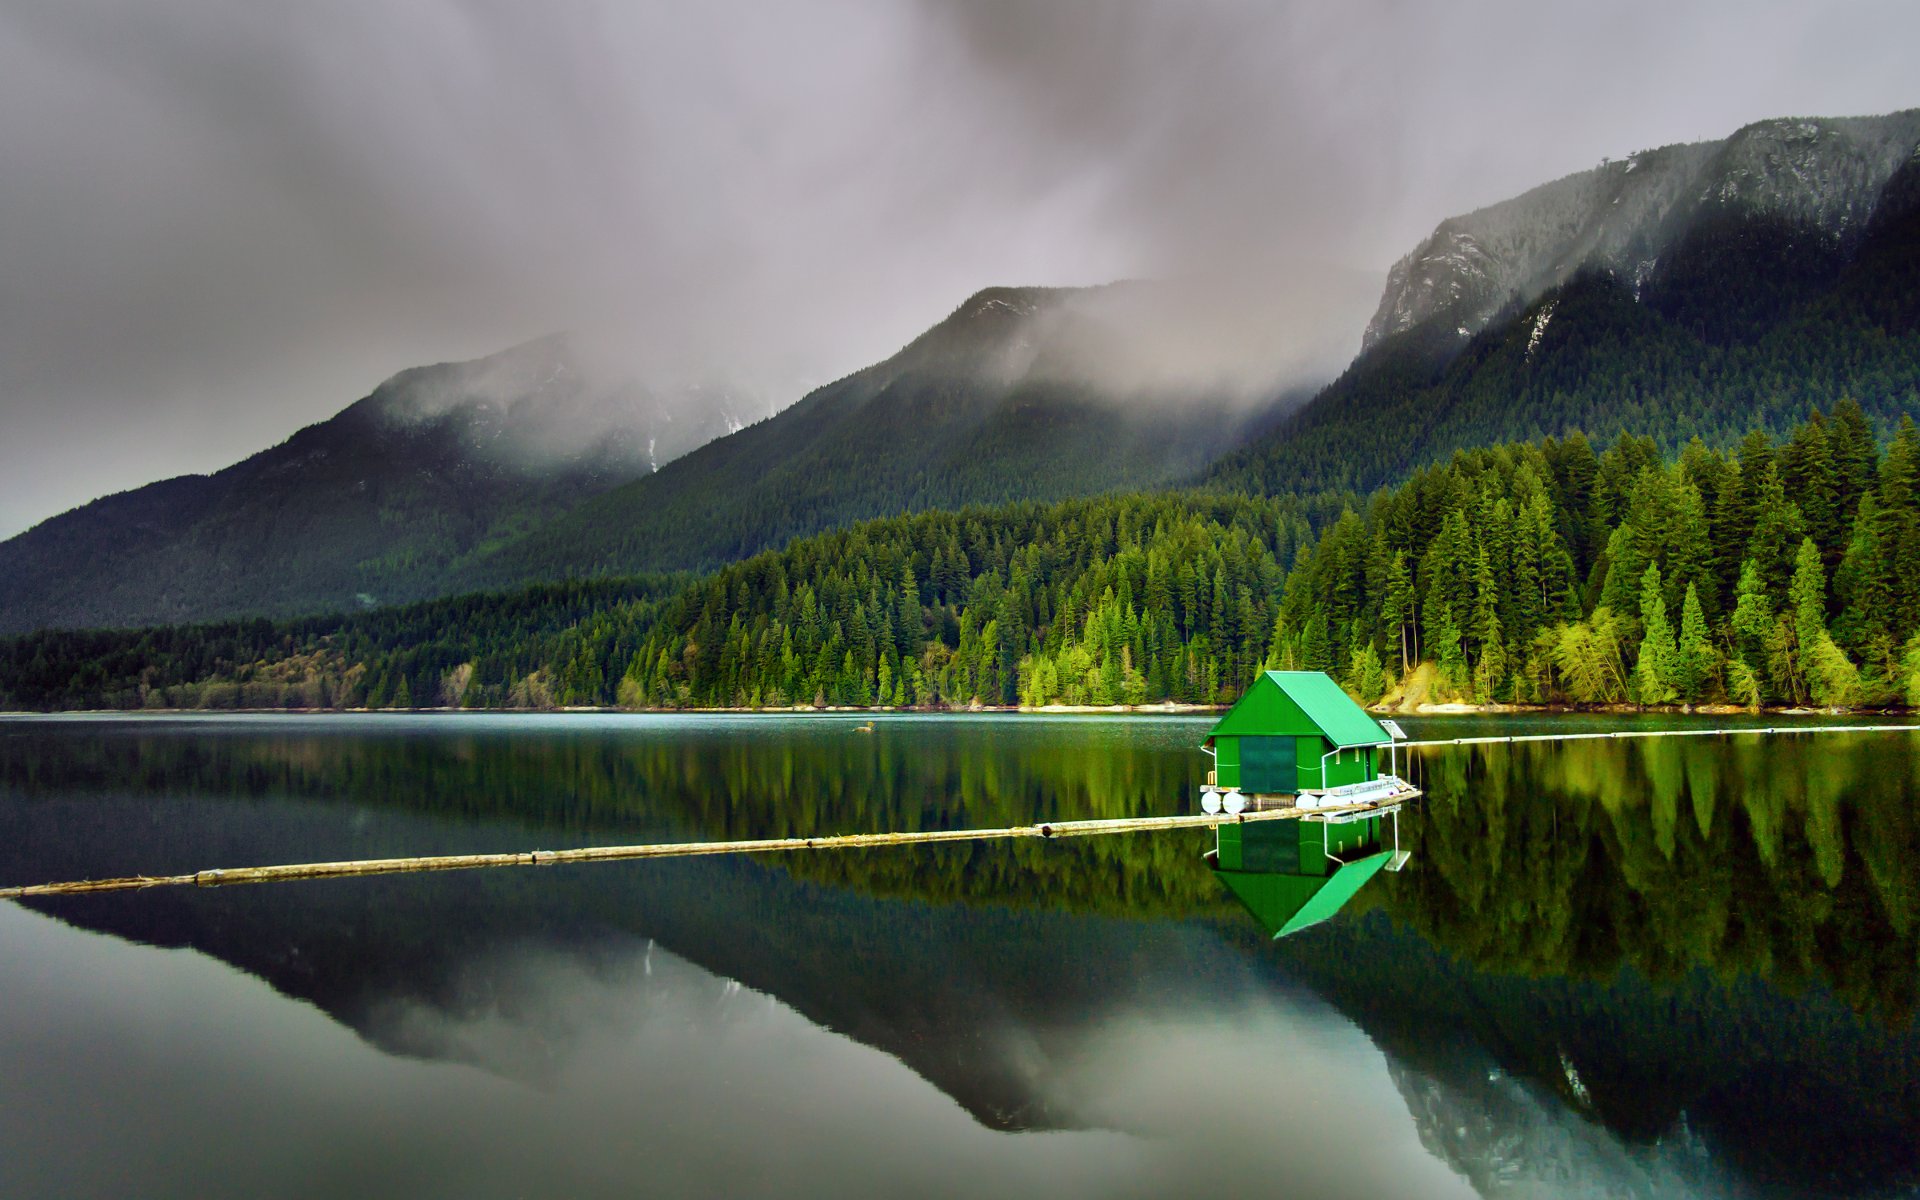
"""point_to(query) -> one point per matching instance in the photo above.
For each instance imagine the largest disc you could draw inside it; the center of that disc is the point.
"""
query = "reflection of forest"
(1792, 859)
(1647, 929)
(1796, 860)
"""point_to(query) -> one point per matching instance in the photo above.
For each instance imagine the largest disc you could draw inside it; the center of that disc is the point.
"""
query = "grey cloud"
(222, 220)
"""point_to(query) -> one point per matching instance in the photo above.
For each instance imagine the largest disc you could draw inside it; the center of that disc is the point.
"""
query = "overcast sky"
(222, 219)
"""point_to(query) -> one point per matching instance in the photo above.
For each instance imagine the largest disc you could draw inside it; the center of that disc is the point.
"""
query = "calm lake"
(1610, 968)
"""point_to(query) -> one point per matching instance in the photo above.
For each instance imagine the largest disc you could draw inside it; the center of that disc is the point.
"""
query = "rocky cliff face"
(1623, 216)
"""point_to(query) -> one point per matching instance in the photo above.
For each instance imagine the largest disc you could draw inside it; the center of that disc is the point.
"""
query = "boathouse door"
(1267, 765)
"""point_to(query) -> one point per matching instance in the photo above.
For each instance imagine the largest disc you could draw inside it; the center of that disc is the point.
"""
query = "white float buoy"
(1209, 800)
(1233, 801)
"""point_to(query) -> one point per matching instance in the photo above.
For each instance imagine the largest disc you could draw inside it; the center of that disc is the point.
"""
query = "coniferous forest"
(1782, 572)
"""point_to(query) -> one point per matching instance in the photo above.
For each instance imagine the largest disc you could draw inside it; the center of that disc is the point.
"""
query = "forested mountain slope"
(1747, 321)
(1020, 394)
(378, 504)
(930, 609)
(1625, 217)
(1534, 572)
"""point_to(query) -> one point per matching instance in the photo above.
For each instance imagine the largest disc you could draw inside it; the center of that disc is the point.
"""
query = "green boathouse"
(1292, 731)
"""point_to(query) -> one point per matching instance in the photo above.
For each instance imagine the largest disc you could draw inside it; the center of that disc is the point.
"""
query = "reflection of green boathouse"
(1292, 874)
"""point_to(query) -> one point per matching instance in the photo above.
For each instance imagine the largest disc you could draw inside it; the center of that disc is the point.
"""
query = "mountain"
(381, 502)
(1020, 394)
(529, 466)
(1625, 217)
(1691, 291)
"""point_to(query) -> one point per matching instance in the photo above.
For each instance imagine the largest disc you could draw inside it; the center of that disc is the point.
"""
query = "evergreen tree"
(1828, 676)
(1752, 613)
(1367, 679)
(1655, 673)
(1697, 660)
(1807, 595)
(1811, 481)
(1398, 611)
(1861, 590)
(1777, 532)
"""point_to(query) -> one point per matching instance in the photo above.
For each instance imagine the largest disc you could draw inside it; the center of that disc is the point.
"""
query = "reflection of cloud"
(663, 1079)
(632, 1071)
(1254, 1088)
(128, 1070)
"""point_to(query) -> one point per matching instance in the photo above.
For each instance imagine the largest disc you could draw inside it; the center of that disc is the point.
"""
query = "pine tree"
(1398, 611)
(1777, 532)
(1811, 482)
(1829, 677)
(1860, 588)
(1367, 678)
(1626, 565)
(1898, 502)
(1752, 618)
(1526, 597)
(1807, 595)
(1850, 434)
(1697, 659)
(1654, 674)
(1452, 676)
(1316, 644)
(1731, 527)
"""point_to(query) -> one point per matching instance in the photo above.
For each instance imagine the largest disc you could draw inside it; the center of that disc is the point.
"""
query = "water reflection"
(1673, 966)
(1292, 875)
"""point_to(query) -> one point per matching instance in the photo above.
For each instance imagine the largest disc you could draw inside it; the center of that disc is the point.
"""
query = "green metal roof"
(1287, 904)
(1317, 696)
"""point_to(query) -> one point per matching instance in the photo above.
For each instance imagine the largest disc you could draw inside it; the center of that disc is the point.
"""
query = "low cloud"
(220, 221)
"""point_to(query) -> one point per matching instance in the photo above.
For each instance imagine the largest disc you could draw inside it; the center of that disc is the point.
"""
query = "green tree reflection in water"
(1791, 859)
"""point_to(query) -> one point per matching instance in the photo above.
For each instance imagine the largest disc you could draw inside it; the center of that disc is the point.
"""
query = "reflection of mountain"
(1598, 951)
(1795, 1094)
(983, 1003)
(1508, 1138)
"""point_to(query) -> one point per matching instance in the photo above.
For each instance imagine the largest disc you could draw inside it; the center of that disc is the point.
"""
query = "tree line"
(481, 650)
(1782, 572)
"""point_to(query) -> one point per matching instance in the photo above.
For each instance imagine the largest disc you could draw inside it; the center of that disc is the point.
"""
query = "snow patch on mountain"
(1539, 328)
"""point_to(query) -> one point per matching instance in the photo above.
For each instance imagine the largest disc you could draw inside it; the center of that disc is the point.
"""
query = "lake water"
(1615, 968)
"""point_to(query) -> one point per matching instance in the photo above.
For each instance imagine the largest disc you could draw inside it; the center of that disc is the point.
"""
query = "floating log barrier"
(1653, 733)
(223, 877)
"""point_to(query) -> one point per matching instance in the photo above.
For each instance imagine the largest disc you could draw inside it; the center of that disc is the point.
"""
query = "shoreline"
(1115, 710)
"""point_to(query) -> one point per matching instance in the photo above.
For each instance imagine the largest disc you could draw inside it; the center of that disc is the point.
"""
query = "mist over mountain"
(1697, 290)
(375, 505)
(548, 406)
(468, 474)
(1020, 394)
